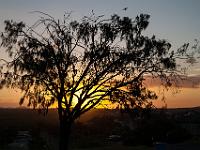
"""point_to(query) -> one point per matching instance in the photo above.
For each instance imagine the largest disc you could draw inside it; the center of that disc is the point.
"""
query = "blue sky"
(177, 21)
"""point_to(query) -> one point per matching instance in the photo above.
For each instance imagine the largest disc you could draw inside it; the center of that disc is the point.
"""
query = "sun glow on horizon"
(186, 96)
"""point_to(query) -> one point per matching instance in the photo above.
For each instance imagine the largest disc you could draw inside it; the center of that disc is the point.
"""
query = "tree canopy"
(79, 64)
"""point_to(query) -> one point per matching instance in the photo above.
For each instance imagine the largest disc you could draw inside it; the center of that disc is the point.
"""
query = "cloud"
(191, 81)
(196, 69)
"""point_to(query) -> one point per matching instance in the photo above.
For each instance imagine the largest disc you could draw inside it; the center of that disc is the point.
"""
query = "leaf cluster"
(79, 64)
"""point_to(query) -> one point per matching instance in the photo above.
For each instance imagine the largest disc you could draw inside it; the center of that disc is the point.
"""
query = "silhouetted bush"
(158, 128)
(177, 135)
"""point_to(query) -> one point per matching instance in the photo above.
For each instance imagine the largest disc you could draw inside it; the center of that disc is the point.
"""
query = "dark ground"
(186, 146)
(90, 132)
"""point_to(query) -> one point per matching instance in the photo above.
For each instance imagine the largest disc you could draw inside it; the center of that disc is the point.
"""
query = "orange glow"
(10, 98)
(186, 97)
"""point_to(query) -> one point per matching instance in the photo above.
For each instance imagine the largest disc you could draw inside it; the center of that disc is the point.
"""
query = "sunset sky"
(177, 21)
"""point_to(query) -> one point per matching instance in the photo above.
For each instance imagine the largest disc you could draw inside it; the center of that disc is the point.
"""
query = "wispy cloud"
(191, 81)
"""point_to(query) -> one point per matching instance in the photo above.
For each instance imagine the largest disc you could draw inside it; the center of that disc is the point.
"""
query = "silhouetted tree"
(79, 64)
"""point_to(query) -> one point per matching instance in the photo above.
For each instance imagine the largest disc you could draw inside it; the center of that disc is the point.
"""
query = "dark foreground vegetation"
(100, 128)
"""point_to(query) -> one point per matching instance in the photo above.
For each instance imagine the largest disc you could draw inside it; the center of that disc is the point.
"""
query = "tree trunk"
(65, 132)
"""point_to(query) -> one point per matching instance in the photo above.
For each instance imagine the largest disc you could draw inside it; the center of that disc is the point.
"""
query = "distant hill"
(22, 118)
